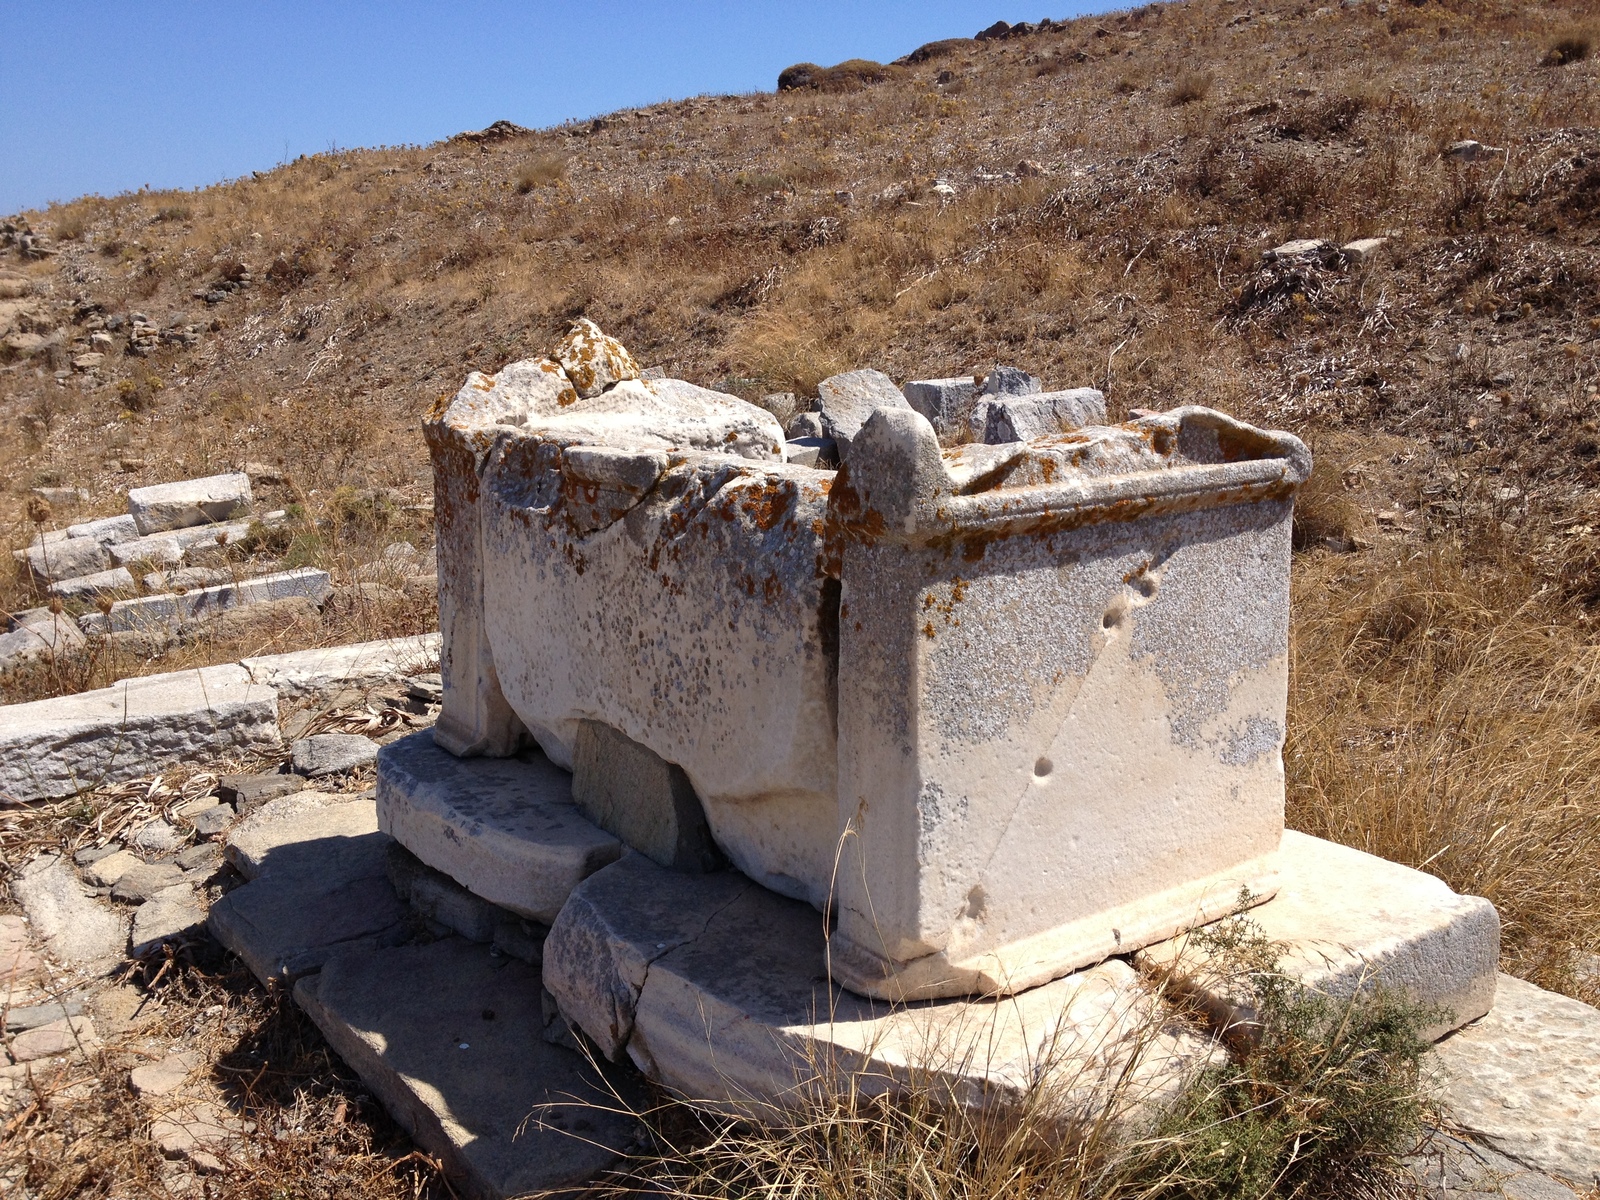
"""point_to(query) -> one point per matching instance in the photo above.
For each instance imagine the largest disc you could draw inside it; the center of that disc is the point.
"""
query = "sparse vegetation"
(541, 170)
(1189, 87)
(1570, 47)
(1324, 1102)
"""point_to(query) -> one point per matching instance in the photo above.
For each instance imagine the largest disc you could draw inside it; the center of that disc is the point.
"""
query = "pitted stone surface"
(451, 1041)
(188, 502)
(1525, 1080)
(331, 754)
(505, 829)
(1350, 921)
(135, 727)
(317, 885)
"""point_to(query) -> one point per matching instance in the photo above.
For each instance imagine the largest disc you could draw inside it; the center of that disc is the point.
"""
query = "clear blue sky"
(107, 97)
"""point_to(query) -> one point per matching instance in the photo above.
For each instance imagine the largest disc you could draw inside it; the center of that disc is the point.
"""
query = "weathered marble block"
(1007, 710)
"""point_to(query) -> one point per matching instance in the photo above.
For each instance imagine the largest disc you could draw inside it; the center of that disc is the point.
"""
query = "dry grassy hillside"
(1115, 182)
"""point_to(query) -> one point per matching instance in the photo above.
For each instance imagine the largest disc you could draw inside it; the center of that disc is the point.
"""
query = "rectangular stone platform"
(1351, 921)
(451, 1041)
(504, 828)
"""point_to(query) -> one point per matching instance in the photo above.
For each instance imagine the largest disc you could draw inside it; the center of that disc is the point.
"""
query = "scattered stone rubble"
(547, 870)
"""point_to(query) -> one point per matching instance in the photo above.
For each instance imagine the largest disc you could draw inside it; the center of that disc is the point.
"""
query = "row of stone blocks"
(710, 984)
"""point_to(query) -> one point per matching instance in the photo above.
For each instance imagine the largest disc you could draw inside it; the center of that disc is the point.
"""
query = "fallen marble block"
(188, 502)
(451, 1041)
(318, 885)
(718, 989)
(117, 579)
(38, 634)
(947, 403)
(135, 727)
(505, 829)
(1351, 922)
(1041, 414)
(846, 401)
(173, 546)
(107, 530)
(328, 670)
(1525, 1080)
(67, 558)
(172, 609)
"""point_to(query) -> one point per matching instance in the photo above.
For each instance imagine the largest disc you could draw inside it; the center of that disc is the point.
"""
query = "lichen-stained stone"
(846, 401)
(698, 622)
(1347, 922)
(189, 502)
(593, 360)
(505, 829)
(1120, 778)
(539, 400)
(135, 727)
(1525, 1080)
(1040, 414)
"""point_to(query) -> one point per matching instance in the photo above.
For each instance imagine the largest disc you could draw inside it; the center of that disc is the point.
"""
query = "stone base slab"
(718, 989)
(504, 828)
(1525, 1080)
(451, 1041)
(317, 886)
(1351, 921)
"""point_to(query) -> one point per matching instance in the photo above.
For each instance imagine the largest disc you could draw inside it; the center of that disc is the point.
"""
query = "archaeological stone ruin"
(924, 761)
(908, 741)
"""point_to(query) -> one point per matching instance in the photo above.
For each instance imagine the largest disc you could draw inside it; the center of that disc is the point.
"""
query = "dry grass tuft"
(1570, 47)
(541, 170)
(1189, 87)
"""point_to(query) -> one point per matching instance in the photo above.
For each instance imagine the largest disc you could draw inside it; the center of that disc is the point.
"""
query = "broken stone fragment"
(67, 558)
(846, 401)
(105, 872)
(71, 1035)
(172, 914)
(107, 530)
(164, 1077)
(117, 579)
(1018, 418)
(1362, 248)
(593, 360)
(1010, 381)
(138, 883)
(249, 792)
(331, 754)
(947, 403)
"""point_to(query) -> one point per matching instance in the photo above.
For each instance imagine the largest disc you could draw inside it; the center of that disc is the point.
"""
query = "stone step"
(719, 990)
(52, 748)
(1525, 1080)
(329, 670)
(170, 609)
(1350, 921)
(451, 1040)
(504, 828)
(317, 886)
